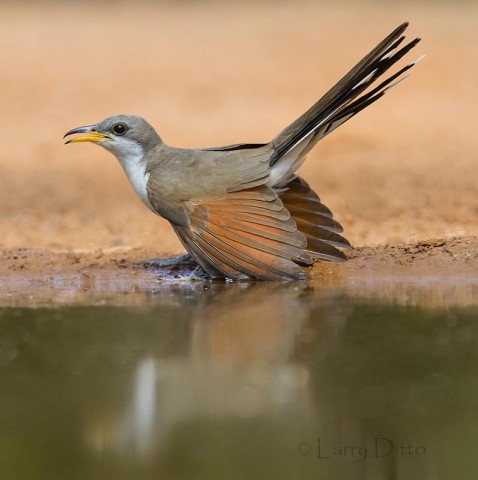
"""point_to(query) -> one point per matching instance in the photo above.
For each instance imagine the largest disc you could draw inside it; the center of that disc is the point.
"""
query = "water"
(253, 381)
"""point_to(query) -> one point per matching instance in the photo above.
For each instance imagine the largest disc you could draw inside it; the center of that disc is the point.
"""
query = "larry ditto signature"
(377, 448)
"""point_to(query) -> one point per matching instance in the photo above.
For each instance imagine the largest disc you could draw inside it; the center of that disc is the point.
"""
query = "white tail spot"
(393, 85)
(388, 55)
(417, 60)
(366, 79)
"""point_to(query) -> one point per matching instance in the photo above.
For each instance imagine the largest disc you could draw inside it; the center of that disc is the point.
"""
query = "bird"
(242, 211)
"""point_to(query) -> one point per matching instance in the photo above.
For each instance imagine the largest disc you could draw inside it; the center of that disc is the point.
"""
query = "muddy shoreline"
(27, 275)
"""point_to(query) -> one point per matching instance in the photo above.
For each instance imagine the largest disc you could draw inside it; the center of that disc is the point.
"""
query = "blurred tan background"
(214, 73)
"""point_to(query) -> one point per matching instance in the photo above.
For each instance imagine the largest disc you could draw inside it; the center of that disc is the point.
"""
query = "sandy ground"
(402, 177)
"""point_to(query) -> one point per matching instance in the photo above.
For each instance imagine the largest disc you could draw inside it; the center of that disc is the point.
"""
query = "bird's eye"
(119, 129)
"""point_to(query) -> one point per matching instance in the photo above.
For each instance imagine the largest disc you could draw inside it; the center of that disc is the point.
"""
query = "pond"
(203, 381)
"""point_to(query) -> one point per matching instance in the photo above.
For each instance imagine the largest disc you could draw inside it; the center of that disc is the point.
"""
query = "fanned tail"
(339, 104)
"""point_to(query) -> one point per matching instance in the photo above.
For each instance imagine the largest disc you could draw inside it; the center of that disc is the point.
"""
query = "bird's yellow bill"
(94, 137)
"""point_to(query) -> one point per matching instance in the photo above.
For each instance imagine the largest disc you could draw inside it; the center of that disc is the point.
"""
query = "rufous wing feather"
(247, 233)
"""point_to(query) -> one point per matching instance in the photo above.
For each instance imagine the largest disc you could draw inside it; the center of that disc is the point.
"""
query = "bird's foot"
(182, 267)
(169, 261)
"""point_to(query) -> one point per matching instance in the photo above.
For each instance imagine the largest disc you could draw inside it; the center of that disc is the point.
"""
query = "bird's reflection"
(144, 405)
(199, 374)
(238, 362)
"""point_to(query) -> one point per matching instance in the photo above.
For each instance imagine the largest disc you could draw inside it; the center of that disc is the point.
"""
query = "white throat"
(131, 156)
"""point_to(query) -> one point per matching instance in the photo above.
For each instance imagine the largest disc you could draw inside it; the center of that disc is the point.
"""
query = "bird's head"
(121, 135)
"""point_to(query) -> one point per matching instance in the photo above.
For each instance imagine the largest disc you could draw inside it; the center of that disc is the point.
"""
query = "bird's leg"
(169, 261)
(198, 274)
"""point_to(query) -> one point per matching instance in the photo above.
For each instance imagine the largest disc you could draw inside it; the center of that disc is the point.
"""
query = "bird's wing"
(247, 233)
(180, 175)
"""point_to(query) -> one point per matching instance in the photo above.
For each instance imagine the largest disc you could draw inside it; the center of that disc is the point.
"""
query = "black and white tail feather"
(343, 101)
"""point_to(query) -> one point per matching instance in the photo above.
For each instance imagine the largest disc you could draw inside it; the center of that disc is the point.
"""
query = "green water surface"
(240, 382)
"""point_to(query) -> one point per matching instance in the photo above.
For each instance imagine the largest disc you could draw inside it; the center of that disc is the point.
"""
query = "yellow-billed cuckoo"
(242, 211)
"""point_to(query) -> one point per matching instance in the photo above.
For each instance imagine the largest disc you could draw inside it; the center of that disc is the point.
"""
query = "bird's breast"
(134, 164)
